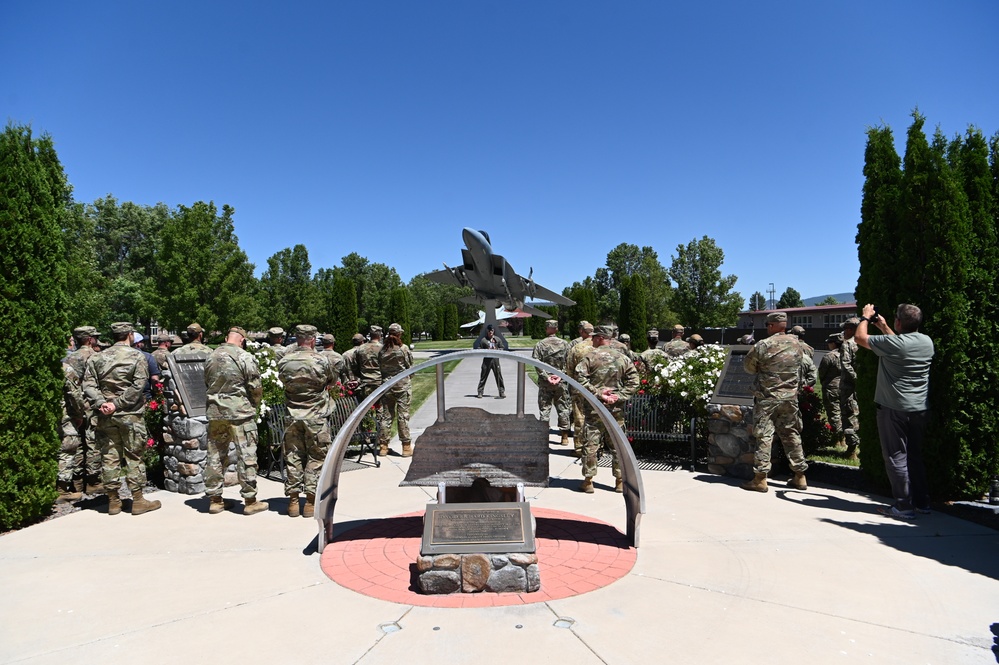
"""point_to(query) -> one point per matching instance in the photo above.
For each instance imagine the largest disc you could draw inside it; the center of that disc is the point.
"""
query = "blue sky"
(561, 128)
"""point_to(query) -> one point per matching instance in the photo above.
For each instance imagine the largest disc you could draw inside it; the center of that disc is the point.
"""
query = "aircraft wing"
(445, 276)
(541, 293)
(534, 311)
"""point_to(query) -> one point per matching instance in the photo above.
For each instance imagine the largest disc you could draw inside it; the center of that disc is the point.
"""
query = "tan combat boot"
(565, 437)
(66, 493)
(757, 484)
(79, 485)
(619, 486)
(798, 481)
(586, 486)
(215, 505)
(142, 505)
(114, 503)
(407, 450)
(294, 509)
(310, 506)
(253, 506)
(382, 449)
(94, 486)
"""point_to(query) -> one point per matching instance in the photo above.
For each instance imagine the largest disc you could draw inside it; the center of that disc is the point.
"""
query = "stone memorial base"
(472, 573)
(730, 440)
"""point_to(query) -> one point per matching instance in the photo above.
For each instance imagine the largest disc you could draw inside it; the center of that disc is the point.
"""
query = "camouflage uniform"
(74, 409)
(776, 362)
(119, 375)
(829, 375)
(676, 348)
(307, 377)
(192, 349)
(809, 373)
(396, 401)
(233, 387)
(604, 367)
(554, 351)
(650, 356)
(366, 368)
(89, 454)
(573, 357)
(850, 411)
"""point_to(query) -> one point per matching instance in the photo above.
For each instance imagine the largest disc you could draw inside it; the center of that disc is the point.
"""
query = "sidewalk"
(722, 576)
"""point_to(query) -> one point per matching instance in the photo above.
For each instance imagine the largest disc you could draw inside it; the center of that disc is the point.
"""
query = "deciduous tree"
(702, 297)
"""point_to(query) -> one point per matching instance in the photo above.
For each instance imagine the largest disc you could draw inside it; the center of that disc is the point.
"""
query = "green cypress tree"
(344, 308)
(33, 197)
(451, 322)
(399, 312)
(637, 322)
(878, 273)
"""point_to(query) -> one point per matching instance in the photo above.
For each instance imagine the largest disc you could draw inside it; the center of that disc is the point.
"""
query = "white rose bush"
(689, 378)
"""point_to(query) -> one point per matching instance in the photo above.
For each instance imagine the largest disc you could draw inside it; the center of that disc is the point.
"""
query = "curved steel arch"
(328, 485)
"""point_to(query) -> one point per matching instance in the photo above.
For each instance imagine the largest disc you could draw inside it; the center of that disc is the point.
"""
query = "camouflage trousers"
(830, 399)
(578, 418)
(220, 434)
(595, 434)
(557, 395)
(850, 413)
(306, 443)
(394, 404)
(70, 457)
(122, 440)
(780, 417)
(90, 452)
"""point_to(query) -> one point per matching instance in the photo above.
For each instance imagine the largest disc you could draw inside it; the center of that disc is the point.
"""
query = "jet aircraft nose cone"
(471, 237)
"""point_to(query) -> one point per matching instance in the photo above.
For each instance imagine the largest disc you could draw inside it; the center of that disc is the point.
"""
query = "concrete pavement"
(722, 576)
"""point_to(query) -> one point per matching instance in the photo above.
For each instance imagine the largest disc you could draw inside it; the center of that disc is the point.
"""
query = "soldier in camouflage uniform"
(113, 385)
(676, 347)
(809, 373)
(336, 360)
(554, 351)
(578, 348)
(393, 358)
(87, 472)
(849, 409)
(653, 353)
(612, 377)
(829, 374)
(74, 409)
(275, 338)
(349, 362)
(233, 387)
(162, 351)
(307, 377)
(195, 344)
(365, 367)
(776, 362)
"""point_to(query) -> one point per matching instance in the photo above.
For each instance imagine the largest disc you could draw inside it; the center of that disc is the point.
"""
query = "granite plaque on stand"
(188, 374)
(735, 385)
(462, 528)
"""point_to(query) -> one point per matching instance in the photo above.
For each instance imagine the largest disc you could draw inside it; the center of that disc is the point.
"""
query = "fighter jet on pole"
(495, 282)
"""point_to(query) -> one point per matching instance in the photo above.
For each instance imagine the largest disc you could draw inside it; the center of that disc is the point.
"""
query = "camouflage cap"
(678, 328)
(276, 331)
(835, 338)
(852, 322)
(551, 323)
(604, 330)
(328, 340)
(697, 339)
(237, 329)
(195, 329)
(160, 339)
(122, 327)
(358, 338)
(797, 330)
(777, 317)
(103, 344)
(624, 337)
(653, 332)
(305, 330)
(395, 329)
(84, 331)
(586, 325)
(375, 329)
(746, 339)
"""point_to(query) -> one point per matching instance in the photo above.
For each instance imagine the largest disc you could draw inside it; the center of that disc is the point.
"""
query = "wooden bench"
(661, 418)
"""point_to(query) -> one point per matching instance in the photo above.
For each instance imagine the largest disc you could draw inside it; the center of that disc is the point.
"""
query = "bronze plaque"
(464, 528)
(188, 375)
(735, 385)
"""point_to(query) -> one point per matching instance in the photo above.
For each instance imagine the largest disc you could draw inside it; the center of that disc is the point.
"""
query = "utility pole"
(772, 291)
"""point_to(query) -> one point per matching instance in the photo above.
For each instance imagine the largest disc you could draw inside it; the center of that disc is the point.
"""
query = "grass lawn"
(834, 455)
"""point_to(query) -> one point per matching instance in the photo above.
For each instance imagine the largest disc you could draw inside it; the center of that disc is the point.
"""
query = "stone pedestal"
(471, 573)
(730, 440)
(185, 453)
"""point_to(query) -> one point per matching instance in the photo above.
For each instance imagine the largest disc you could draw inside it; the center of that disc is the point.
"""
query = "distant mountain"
(840, 297)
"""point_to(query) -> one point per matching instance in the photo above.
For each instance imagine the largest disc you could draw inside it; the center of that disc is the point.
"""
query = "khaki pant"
(306, 443)
(594, 434)
(122, 440)
(780, 417)
(244, 434)
(394, 404)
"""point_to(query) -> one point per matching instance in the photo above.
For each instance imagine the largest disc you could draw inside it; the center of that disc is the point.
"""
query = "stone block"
(719, 426)
(188, 428)
(170, 485)
(230, 478)
(193, 444)
(728, 444)
(499, 561)
(716, 469)
(475, 572)
(188, 469)
(731, 413)
(721, 459)
(167, 436)
(439, 581)
(533, 577)
(193, 456)
(506, 580)
(424, 563)
(447, 561)
(170, 463)
(524, 559)
(194, 488)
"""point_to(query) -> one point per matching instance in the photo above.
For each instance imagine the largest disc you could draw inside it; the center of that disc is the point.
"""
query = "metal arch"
(328, 484)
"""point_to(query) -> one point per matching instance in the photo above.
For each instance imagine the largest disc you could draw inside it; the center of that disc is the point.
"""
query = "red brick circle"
(576, 554)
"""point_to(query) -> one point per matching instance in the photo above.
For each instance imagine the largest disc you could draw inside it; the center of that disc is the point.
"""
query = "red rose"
(154, 405)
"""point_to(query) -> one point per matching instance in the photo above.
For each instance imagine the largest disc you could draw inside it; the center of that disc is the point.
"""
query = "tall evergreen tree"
(790, 299)
(757, 302)
(451, 321)
(399, 312)
(343, 308)
(33, 196)
(585, 308)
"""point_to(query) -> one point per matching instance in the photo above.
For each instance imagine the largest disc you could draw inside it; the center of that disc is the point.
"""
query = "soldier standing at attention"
(349, 362)
(336, 360)
(578, 348)
(395, 357)
(490, 364)
(809, 374)
(162, 351)
(676, 347)
(73, 409)
(113, 384)
(848, 388)
(776, 362)
(612, 377)
(366, 368)
(232, 382)
(829, 375)
(554, 351)
(275, 337)
(195, 343)
(307, 377)
(87, 461)
(650, 354)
